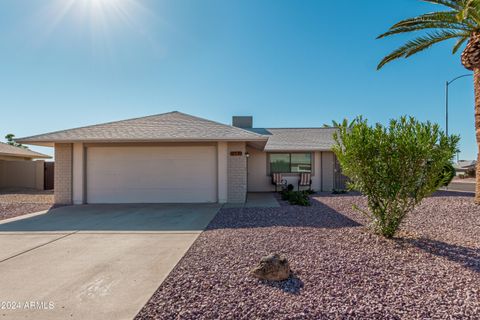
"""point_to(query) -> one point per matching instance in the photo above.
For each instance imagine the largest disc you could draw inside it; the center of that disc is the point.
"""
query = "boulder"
(272, 267)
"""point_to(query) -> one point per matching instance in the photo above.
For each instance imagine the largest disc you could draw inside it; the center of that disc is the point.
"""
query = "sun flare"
(99, 20)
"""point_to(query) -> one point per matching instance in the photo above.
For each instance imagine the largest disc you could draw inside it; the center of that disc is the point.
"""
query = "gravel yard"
(341, 270)
(17, 202)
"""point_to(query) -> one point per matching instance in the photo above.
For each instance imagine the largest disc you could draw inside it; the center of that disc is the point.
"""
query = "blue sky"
(286, 63)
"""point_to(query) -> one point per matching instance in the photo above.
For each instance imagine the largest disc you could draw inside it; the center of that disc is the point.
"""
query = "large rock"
(273, 268)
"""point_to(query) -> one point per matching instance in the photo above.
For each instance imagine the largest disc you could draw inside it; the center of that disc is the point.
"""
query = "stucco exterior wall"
(328, 169)
(63, 173)
(237, 173)
(22, 174)
(259, 179)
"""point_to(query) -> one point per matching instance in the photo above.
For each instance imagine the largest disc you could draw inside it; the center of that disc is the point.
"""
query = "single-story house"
(179, 158)
(462, 166)
(18, 168)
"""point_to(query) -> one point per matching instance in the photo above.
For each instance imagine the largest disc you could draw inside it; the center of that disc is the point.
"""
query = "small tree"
(11, 141)
(395, 167)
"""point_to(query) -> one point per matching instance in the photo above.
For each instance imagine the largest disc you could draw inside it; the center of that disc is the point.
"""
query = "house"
(179, 158)
(18, 168)
(464, 166)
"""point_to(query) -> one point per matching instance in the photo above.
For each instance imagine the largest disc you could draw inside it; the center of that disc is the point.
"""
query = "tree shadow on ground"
(446, 193)
(293, 285)
(467, 257)
(318, 215)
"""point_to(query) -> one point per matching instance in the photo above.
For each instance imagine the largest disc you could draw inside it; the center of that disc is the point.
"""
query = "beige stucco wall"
(259, 179)
(22, 174)
(328, 166)
(237, 173)
(63, 173)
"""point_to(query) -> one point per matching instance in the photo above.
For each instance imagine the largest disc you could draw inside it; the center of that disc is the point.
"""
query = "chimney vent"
(244, 122)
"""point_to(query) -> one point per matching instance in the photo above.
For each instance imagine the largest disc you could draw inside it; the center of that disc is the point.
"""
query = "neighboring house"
(179, 158)
(462, 166)
(18, 170)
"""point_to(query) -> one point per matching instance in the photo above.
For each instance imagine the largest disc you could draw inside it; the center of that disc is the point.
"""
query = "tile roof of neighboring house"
(298, 139)
(465, 164)
(11, 151)
(171, 126)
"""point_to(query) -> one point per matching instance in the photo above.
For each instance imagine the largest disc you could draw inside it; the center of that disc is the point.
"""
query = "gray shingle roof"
(11, 151)
(298, 139)
(172, 126)
(465, 164)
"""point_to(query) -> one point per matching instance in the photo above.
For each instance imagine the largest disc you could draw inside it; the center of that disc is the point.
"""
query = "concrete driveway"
(93, 261)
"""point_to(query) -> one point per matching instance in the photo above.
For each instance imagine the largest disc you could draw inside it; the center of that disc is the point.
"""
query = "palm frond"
(454, 4)
(459, 44)
(470, 9)
(426, 25)
(420, 44)
(441, 16)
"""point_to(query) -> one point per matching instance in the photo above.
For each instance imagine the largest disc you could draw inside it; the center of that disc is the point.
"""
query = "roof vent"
(244, 122)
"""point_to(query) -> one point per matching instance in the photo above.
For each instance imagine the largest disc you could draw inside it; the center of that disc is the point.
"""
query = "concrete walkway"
(256, 200)
(93, 261)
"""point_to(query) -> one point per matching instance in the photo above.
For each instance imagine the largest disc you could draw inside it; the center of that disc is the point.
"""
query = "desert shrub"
(299, 198)
(285, 194)
(447, 175)
(394, 166)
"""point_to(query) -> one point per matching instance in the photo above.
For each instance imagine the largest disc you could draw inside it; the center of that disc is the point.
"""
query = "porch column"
(78, 173)
(222, 172)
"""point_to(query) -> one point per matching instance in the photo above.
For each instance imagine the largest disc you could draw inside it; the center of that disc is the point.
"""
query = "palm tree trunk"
(477, 130)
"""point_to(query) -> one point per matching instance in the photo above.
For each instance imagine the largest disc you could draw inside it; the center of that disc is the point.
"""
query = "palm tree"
(460, 21)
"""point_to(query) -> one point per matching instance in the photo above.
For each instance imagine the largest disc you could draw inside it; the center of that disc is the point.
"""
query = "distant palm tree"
(460, 21)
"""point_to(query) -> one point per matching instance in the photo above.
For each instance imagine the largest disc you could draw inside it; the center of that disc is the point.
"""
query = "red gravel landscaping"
(341, 270)
(17, 202)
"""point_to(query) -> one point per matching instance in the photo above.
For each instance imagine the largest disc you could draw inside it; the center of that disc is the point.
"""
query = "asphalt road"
(462, 186)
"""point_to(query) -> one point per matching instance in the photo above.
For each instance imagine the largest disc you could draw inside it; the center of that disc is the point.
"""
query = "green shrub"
(447, 175)
(290, 187)
(394, 166)
(285, 194)
(299, 198)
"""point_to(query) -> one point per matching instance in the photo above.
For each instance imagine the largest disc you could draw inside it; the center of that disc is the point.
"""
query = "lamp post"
(447, 84)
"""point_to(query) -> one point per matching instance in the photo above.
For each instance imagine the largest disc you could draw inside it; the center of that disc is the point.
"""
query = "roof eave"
(297, 150)
(30, 156)
(51, 143)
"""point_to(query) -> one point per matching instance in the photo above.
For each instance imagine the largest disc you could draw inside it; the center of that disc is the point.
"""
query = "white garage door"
(151, 174)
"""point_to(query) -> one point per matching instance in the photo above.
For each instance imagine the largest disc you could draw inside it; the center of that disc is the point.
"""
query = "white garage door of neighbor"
(151, 174)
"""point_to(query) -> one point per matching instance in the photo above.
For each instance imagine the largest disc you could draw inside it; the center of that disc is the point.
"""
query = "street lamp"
(448, 83)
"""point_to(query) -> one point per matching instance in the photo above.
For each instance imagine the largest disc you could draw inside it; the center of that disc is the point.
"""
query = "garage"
(151, 174)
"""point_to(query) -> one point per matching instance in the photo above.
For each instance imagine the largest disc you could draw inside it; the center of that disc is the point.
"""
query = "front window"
(290, 162)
